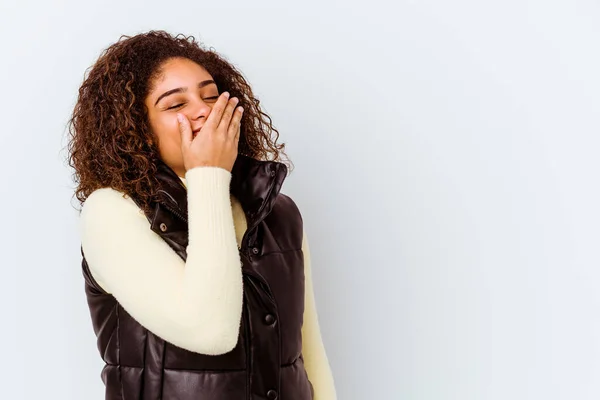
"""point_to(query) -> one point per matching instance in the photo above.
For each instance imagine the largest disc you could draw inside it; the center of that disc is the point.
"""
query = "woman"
(196, 266)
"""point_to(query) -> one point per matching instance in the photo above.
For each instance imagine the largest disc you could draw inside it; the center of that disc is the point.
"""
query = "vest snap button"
(269, 319)
(272, 394)
(163, 227)
(255, 250)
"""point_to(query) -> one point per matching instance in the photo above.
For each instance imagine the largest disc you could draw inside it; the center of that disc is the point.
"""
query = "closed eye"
(179, 105)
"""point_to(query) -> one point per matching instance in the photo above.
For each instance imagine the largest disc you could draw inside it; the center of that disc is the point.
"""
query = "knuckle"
(217, 109)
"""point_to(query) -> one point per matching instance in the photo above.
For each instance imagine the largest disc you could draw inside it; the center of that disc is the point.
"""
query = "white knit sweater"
(194, 304)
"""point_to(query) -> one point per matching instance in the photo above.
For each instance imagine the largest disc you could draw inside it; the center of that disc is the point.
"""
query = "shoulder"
(104, 197)
(284, 203)
(285, 220)
(106, 205)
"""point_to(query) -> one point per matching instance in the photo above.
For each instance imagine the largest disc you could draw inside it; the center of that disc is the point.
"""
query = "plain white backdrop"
(446, 158)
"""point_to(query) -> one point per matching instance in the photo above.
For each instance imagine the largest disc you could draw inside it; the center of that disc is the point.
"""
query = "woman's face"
(184, 87)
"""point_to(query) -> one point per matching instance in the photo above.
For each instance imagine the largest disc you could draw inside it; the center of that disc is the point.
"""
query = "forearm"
(213, 274)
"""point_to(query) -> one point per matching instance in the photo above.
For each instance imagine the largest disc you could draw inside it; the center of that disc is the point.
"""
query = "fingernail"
(226, 94)
(179, 117)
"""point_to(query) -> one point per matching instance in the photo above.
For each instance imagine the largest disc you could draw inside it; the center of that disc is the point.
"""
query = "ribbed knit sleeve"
(315, 357)
(197, 304)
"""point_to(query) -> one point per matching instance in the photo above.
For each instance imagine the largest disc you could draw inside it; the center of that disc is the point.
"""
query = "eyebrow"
(183, 89)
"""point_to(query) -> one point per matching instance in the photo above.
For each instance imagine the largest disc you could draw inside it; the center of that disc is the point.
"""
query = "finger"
(185, 130)
(227, 114)
(215, 114)
(234, 127)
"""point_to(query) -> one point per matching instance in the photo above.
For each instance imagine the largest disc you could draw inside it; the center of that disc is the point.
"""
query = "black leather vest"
(267, 361)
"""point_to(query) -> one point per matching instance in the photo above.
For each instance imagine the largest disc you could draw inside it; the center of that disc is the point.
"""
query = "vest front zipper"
(175, 212)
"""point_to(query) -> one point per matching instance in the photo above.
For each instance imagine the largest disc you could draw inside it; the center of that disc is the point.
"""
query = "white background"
(446, 158)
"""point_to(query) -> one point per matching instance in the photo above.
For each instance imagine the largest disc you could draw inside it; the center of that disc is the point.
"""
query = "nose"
(199, 109)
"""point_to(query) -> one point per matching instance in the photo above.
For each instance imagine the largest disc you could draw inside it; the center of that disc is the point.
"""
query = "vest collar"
(255, 183)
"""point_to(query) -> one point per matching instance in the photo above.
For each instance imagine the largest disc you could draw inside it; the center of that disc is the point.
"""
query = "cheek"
(166, 129)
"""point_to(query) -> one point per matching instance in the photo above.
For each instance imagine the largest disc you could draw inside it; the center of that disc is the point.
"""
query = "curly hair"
(111, 143)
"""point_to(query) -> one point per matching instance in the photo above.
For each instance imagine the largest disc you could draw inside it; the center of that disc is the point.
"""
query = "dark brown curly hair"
(110, 140)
